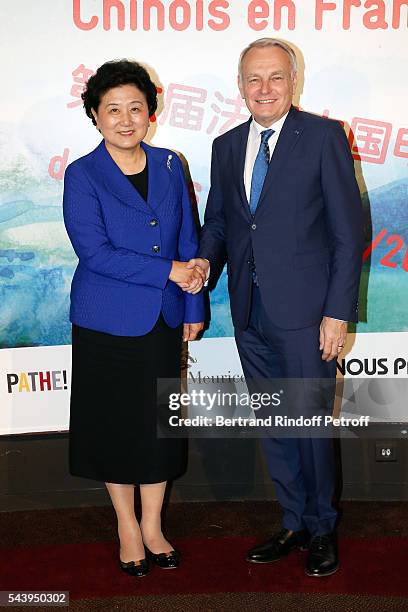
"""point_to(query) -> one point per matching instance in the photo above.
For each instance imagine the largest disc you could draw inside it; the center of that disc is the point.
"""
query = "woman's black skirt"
(113, 421)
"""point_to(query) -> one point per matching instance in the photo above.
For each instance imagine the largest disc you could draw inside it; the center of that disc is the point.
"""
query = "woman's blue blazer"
(126, 245)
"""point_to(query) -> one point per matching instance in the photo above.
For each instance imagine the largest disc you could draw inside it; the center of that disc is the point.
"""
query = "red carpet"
(369, 566)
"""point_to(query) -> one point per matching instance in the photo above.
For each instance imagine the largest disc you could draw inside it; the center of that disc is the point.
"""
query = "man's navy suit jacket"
(126, 245)
(306, 237)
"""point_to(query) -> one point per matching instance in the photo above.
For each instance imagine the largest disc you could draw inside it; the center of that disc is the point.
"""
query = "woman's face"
(122, 117)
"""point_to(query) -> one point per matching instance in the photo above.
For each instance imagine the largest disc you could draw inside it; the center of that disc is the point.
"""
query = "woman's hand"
(202, 266)
(191, 330)
(186, 277)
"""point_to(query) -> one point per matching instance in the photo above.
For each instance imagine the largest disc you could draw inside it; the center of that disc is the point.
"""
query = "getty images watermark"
(208, 401)
(278, 407)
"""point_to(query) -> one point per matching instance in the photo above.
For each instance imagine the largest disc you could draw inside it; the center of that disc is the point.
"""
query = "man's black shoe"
(322, 559)
(278, 546)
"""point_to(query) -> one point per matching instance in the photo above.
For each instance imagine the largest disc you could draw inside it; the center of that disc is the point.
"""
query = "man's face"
(267, 84)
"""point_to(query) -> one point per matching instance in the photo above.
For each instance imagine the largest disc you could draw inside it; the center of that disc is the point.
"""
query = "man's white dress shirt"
(253, 143)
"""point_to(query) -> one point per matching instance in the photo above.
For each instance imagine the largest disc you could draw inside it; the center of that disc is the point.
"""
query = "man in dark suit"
(284, 211)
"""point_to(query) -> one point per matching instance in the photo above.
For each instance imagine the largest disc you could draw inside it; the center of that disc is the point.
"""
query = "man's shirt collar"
(257, 128)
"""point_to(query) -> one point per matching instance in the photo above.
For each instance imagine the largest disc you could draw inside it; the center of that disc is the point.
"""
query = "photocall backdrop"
(353, 57)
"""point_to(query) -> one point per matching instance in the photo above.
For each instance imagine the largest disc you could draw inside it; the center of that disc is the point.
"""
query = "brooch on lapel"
(169, 158)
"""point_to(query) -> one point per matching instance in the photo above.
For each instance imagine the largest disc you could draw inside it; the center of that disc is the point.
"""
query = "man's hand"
(191, 330)
(187, 276)
(202, 266)
(333, 334)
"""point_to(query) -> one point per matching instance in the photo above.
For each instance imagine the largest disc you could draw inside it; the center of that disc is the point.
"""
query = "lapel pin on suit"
(169, 158)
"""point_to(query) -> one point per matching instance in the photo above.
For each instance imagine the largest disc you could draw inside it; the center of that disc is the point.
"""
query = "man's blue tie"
(260, 169)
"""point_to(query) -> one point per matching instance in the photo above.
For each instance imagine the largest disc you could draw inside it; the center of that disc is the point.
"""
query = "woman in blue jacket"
(134, 297)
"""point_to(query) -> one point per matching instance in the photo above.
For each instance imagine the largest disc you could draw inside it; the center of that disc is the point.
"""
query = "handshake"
(190, 275)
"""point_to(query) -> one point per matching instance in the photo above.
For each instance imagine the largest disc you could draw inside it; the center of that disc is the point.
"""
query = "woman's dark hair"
(116, 73)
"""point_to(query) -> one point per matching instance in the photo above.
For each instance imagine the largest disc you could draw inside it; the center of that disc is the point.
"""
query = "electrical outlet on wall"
(386, 450)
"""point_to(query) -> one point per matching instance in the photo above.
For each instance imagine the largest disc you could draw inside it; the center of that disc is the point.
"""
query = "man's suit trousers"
(302, 468)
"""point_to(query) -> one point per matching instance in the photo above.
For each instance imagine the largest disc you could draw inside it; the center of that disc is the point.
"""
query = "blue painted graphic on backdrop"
(37, 263)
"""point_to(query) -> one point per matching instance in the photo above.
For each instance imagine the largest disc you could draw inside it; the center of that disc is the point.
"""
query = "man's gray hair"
(269, 42)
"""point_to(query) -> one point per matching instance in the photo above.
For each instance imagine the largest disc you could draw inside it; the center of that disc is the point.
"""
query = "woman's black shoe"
(135, 568)
(169, 560)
